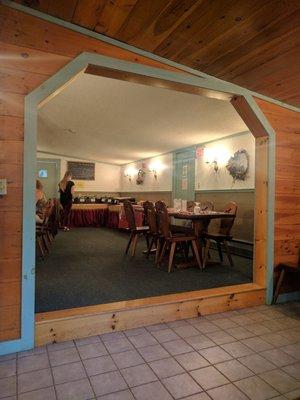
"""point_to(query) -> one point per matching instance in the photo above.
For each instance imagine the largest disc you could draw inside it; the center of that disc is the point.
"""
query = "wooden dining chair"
(207, 206)
(151, 221)
(135, 231)
(170, 239)
(43, 236)
(223, 236)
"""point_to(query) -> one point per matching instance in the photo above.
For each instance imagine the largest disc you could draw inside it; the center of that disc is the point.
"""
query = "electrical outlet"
(3, 187)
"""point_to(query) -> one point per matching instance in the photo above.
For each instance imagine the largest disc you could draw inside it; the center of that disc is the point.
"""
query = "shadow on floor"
(87, 266)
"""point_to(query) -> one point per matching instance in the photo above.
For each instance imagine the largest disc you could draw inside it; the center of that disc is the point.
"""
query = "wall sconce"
(130, 172)
(211, 158)
(217, 157)
(155, 168)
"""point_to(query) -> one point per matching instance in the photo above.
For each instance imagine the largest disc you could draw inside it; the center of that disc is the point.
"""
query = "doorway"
(48, 172)
(135, 312)
(184, 174)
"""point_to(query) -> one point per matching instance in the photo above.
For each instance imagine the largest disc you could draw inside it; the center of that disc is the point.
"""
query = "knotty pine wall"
(286, 124)
(31, 51)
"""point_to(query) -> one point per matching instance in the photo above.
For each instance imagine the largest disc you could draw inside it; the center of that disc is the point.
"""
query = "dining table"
(200, 222)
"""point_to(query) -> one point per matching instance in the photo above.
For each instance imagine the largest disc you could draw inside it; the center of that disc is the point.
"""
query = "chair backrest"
(227, 223)
(163, 219)
(129, 214)
(150, 217)
(207, 206)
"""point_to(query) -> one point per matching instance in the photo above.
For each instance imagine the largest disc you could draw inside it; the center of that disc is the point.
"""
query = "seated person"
(40, 202)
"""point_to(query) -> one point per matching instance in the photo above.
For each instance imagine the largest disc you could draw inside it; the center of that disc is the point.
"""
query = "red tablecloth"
(88, 217)
(97, 215)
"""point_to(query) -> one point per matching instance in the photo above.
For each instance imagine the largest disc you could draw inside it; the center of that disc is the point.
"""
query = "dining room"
(164, 194)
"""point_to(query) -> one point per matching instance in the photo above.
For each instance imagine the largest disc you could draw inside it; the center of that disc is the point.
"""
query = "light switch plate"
(3, 187)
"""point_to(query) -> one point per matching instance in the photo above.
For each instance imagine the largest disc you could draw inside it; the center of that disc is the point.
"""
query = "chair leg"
(220, 251)
(158, 246)
(150, 246)
(135, 237)
(162, 253)
(129, 243)
(228, 253)
(206, 252)
(196, 252)
(40, 246)
(171, 256)
(278, 286)
(44, 241)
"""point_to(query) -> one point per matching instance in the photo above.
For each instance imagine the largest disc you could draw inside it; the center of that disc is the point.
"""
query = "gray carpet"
(87, 266)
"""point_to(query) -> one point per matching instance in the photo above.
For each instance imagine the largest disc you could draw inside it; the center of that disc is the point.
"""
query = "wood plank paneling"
(9, 322)
(30, 52)
(31, 32)
(89, 321)
(30, 60)
(10, 270)
(22, 82)
(248, 42)
(286, 124)
(11, 128)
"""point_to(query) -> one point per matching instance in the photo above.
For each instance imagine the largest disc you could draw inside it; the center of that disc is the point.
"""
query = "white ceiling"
(109, 120)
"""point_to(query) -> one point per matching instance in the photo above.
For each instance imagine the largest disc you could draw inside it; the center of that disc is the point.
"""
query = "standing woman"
(66, 190)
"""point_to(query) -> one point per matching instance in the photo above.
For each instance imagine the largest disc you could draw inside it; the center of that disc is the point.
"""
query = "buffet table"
(102, 215)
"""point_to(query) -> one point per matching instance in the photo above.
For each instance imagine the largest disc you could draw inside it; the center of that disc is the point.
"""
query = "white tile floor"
(247, 354)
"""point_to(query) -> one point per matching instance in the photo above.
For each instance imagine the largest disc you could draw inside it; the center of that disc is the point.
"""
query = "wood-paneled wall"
(31, 50)
(286, 124)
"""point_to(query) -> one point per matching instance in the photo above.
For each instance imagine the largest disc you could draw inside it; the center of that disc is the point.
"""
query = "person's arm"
(73, 188)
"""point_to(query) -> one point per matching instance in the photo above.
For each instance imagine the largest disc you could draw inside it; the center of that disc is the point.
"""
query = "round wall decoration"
(140, 176)
(238, 165)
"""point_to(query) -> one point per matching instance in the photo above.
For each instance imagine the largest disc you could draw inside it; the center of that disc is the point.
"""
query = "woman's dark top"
(66, 195)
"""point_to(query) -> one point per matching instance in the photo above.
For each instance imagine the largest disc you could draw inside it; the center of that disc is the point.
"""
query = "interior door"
(184, 174)
(48, 172)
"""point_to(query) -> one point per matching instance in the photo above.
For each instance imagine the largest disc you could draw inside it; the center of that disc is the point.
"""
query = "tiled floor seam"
(54, 385)
(87, 375)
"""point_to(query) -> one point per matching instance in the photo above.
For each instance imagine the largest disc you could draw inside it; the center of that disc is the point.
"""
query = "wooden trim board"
(57, 326)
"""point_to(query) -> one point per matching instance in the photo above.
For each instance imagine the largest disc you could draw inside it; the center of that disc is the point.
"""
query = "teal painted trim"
(285, 297)
(224, 190)
(271, 196)
(32, 101)
(216, 81)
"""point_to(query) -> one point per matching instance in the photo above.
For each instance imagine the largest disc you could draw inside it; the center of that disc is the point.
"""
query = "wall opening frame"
(62, 325)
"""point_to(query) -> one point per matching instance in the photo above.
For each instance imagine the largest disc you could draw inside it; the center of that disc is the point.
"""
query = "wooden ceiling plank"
(274, 32)
(113, 16)
(274, 53)
(140, 17)
(62, 9)
(201, 18)
(87, 12)
(40, 5)
(165, 23)
(219, 38)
